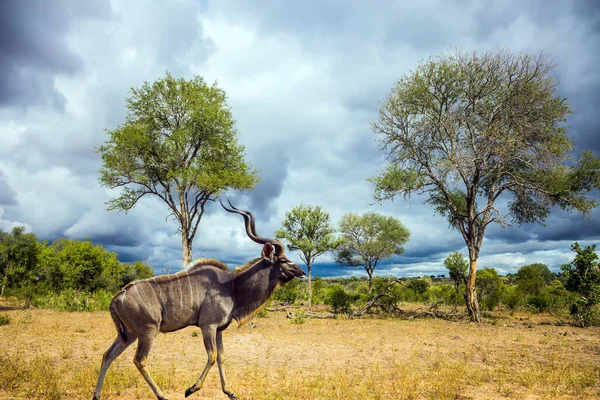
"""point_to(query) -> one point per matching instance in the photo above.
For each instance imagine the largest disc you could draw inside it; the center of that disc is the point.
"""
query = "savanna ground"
(56, 355)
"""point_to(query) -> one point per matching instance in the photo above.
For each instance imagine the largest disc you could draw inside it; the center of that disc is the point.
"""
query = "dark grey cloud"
(34, 49)
(304, 79)
(7, 195)
(584, 124)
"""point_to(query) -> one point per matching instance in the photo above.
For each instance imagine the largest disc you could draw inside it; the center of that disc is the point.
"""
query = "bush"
(489, 288)
(338, 299)
(4, 320)
(74, 300)
(290, 292)
(540, 302)
(444, 293)
(512, 297)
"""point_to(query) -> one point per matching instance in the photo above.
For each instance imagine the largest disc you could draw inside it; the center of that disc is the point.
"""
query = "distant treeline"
(66, 274)
(72, 275)
(534, 288)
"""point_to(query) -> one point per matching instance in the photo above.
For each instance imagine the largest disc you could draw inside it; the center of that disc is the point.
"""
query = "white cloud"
(304, 83)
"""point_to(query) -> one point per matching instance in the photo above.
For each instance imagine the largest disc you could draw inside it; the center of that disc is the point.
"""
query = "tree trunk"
(471, 295)
(370, 273)
(4, 281)
(186, 243)
(309, 275)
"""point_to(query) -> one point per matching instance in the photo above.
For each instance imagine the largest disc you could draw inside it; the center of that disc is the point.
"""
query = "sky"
(304, 81)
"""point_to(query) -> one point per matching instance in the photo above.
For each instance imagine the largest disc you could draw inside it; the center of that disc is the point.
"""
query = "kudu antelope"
(206, 295)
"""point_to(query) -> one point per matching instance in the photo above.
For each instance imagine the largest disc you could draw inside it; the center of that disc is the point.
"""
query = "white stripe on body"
(162, 302)
(191, 291)
(153, 291)
(143, 301)
(180, 292)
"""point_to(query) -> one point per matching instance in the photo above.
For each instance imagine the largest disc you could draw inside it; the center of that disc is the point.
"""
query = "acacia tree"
(463, 130)
(308, 230)
(369, 238)
(178, 143)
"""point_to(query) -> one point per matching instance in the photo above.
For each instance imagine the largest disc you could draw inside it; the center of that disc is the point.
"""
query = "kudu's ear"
(268, 253)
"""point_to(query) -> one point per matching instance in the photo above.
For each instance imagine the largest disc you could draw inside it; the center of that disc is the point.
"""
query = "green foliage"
(489, 288)
(369, 238)
(531, 279)
(467, 128)
(4, 319)
(67, 275)
(178, 143)
(582, 276)
(512, 297)
(74, 300)
(418, 285)
(308, 230)
(299, 318)
(458, 267)
(339, 301)
(289, 292)
(19, 262)
(443, 293)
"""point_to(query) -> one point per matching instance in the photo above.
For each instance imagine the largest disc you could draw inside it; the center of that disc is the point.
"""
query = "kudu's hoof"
(188, 392)
(162, 398)
(232, 396)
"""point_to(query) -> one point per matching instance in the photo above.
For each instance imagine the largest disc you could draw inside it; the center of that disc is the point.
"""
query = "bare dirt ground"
(56, 355)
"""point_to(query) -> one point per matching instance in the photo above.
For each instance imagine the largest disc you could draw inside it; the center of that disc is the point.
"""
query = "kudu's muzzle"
(293, 271)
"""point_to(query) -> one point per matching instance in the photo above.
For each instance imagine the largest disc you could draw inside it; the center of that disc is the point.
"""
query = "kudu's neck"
(252, 288)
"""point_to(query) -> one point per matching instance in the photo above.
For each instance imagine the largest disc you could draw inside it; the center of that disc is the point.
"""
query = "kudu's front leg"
(220, 362)
(209, 335)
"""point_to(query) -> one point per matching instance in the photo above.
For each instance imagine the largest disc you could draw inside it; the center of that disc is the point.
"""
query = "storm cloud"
(304, 82)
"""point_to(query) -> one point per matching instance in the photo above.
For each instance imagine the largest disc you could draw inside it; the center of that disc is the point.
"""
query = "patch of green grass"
(4, 319)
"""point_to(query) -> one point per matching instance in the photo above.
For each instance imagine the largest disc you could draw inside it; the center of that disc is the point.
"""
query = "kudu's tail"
(118, 323)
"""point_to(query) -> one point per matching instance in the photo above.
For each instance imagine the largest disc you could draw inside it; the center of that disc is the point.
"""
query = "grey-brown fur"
(206, 295)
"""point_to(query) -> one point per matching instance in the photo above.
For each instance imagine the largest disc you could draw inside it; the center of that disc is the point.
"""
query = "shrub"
(299, 318)
(74, 300)
(489, 288)
(338, 299)
(4, 320)
(512, 297)
(582, 277)
(540, 302)
(444, 293)
(290, 292)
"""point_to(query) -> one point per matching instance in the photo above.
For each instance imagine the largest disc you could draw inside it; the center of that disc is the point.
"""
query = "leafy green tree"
(533, 278)
(308, 230)
(463, 130)
(583, 277)
(457, 266)
(50, 273)
(19, 262)
(490, 288)
(178, 143)
(83, 263)
(117, 275)
(369, 238)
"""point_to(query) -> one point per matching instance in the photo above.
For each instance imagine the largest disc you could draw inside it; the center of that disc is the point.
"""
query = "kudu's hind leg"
(209, 335)
(109, 356)
(220, 362)
(141, 355)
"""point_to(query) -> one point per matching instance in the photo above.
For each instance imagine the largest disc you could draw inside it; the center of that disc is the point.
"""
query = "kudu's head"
(272, 253)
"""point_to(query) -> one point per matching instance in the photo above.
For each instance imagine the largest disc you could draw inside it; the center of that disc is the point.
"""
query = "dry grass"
(55, 355)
